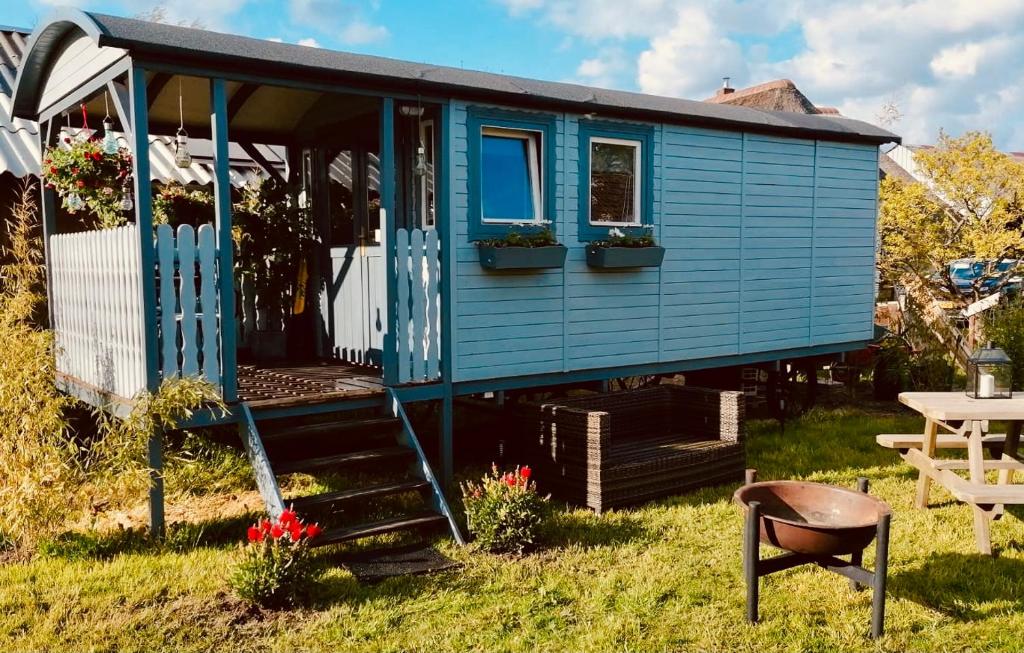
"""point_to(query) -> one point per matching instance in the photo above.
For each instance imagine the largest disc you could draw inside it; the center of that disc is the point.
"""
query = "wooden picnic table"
(965, 422)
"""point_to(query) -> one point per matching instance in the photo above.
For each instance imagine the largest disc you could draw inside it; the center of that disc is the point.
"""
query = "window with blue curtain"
(511, 161)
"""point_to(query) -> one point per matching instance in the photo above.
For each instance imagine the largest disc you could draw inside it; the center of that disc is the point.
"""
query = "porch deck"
(290, 384)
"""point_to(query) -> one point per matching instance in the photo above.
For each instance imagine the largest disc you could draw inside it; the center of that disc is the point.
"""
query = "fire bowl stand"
(754, 567)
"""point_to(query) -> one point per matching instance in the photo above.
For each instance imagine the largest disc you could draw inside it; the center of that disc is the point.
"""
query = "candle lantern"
(989, 374)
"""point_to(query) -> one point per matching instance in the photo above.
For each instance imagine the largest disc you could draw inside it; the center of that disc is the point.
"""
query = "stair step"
(333, 429)
(323, 462)
(328, 499)
(347, 533)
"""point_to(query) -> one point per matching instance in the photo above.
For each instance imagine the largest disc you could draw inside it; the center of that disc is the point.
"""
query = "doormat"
(375, 566)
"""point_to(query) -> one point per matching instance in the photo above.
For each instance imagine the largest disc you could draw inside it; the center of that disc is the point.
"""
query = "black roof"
(218, 50)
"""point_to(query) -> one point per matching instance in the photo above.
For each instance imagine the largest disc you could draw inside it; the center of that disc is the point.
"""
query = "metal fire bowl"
(813, 518)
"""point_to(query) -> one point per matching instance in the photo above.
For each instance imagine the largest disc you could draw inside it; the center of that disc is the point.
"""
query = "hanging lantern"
(182, 158)
(989, 374)
(421, 162)
(127, 204)
(110, 145)
(74, 203)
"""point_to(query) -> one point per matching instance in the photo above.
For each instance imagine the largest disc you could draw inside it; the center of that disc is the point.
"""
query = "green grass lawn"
(663, 577)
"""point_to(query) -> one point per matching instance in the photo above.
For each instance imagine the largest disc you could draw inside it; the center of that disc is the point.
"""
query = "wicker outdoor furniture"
(624, 448)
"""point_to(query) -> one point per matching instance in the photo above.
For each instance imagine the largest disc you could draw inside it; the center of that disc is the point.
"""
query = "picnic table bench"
(966, 422)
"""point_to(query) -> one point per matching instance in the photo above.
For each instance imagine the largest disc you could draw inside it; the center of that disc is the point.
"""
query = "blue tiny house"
(767, 221)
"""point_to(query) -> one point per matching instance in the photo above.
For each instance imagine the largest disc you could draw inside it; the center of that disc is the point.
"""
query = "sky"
(921, 65)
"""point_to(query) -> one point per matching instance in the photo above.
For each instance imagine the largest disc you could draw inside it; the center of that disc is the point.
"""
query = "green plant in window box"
(522, 248)
(626, 250)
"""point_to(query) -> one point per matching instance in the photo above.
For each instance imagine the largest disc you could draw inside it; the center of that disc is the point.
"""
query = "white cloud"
(345, 21)
(605, 69)
(359, 32)
(955, 64)
(308, 42)
(689, 58)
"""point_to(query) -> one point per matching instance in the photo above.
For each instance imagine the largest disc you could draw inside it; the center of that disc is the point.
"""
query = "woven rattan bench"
(624, 448)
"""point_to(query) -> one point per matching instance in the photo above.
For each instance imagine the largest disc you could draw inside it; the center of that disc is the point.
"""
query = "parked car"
(964, 272)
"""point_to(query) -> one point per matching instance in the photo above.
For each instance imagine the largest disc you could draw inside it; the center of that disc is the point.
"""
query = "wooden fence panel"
(187, 300)
(210, 309)
(418, 329)
(97, 315)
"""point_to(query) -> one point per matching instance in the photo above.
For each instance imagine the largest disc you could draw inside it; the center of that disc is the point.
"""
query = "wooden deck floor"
(292, 384)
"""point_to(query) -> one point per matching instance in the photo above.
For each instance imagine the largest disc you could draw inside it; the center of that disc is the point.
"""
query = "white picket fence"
(97, 309)
(419, 305)
(188, 314)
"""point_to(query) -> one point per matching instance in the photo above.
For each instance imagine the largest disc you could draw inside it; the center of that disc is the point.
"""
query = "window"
(616, 173)
(511, 161)
(615, 178)
(510, 175)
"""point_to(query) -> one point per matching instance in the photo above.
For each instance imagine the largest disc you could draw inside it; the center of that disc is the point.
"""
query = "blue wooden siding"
(770, 246)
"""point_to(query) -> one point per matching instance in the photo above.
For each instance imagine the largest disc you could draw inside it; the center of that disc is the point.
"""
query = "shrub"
(39, 472)
(1004, 326)
(504, 512)
(275, 569)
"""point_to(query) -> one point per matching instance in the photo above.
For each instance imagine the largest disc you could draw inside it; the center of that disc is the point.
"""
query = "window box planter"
(625, 257)
(522, 258)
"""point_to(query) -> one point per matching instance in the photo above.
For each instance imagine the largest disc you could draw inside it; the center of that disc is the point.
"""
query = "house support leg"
(156, 485)
(447, 422)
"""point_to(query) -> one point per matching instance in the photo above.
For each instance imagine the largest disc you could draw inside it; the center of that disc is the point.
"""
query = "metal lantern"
(989, 374)
(182, 157)
(110, 145)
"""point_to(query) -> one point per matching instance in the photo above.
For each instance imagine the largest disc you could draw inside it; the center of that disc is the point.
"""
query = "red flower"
(255, 534)
(74, 171)
(53, 170)
(97, 155)
(288, 517)
(295, 531)
(510, 480)
(276, 532)
(265, 526)
(67, 140)
(313, 530)
(525, 471)
(80, 183)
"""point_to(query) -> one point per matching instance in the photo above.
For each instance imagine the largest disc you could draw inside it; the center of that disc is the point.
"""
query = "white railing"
(188, 315)
(97, 309)
(419, 305)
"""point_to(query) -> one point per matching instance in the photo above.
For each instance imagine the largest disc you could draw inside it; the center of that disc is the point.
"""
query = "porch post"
(387, 204)
(48, 136)
(225, 245)
(447, 236)
(144, 223)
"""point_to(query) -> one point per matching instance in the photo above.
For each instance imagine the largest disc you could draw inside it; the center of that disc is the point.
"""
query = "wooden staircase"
(389, 486)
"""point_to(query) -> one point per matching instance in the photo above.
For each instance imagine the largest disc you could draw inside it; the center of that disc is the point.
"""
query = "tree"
(972, 207)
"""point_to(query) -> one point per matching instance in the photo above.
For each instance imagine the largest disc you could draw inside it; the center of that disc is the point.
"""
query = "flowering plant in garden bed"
(503, 511)
(276, 568)
(89, 179)
(619, 238)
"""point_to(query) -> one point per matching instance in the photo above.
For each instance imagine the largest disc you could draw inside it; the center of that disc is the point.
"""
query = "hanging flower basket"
(89, 179)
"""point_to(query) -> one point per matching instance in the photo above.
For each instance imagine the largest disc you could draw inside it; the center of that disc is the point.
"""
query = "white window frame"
(637, 180)
(535, 145)
(428, 182)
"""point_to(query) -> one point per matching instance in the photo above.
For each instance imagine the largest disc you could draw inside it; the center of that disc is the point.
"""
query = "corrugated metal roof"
(212, 49)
